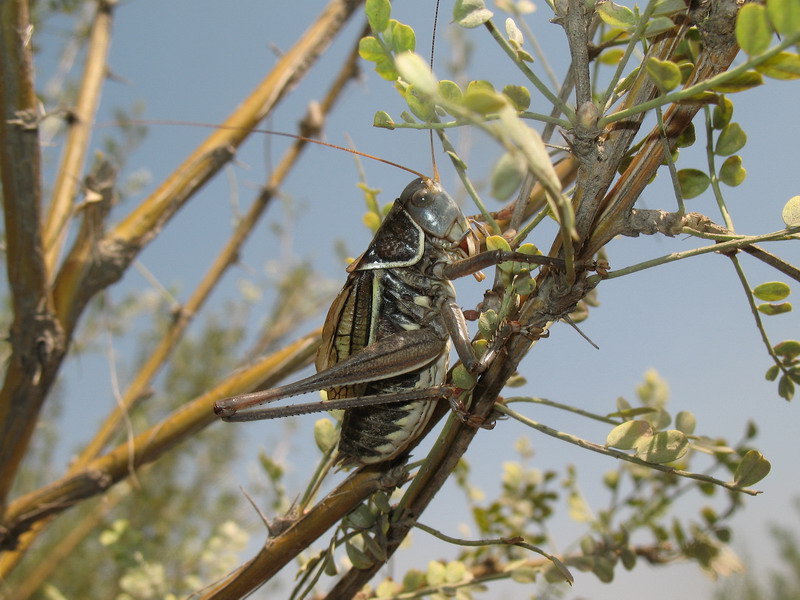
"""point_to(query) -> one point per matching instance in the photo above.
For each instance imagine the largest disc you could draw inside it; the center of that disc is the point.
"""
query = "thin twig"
(572, 439)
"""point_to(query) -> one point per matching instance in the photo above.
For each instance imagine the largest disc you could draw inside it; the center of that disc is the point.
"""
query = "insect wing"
(348, 329)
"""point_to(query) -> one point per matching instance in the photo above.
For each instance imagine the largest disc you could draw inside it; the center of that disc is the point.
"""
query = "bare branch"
(80, 123)
(37, 344)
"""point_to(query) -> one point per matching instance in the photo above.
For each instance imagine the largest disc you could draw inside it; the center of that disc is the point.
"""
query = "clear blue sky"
(194, 60)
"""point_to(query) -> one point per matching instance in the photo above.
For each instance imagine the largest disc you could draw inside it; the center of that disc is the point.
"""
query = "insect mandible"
(386, 340)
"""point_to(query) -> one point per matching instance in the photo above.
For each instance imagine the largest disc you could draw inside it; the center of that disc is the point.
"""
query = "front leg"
(473, 264)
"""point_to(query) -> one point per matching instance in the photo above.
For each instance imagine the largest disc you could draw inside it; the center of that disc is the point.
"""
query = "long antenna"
(433, 49)
(280, 134)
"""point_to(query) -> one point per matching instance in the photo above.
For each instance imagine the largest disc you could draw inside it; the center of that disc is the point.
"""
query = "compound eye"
(422, 198)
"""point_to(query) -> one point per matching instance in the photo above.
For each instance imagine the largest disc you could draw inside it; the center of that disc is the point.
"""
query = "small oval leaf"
(693, 182)
(775, 309)
(723, 112)
(664, 447)
(686, 422)
(378, 13)
(784, 65)
(416, 71)
(789, 349)
(325, 435)
(664, 73)
(791, 212)
(484, 101)
(772, 291)
(629, 435)
(740, 83)
(753, 32)
(471, 13)
(731, 172)
(752, 469)
(784, 16)
(507, 176)
(382, 119)
(617, 16)
(731, 139)
(519, 95)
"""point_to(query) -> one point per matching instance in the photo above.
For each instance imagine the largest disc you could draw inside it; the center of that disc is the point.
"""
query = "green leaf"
(731, 172)
(462, 378)
(484, 101)
(784, 16)
(400, 37)
(578, 509)
(730, 140)
(450, 91)
(616, 15)
(514, 34)
(487, 323)
(775, 309)
(788, 349)
(480, 85)
(361, 518)
(752, 469)
(524, 574)
(784, 65)
(693, 182)
(562, 569)
(455, 571)
(687, 137)
(723, 112)
(786, 388)
(497, 242)
(772, 291)
(658, 26)
(471, 13)
(664, 447)
(791, 212)
(629, 435)
(357, 556)
(420, 104)
(382, 119)
(435, 573)
(519, 95)
(740, 83)
(370, 49)
(664, 8)
(664, 73)
(753, 32)
(385, 69)
(507, 176)
(416, 71)
(772, 373)
(325, 435)
(413, 580)
(378, 13)
(686, 422)
(612, 57)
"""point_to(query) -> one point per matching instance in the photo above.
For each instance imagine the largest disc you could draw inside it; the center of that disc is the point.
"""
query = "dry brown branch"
(79, 121)
(36, 340)
(716, 24)
(187, 421)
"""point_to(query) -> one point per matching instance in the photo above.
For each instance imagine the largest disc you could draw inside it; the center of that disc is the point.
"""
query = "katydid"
(386, 340)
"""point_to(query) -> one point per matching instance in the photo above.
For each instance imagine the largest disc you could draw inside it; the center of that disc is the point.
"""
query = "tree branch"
(80, 122)
(148, 446)
(37, 342)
